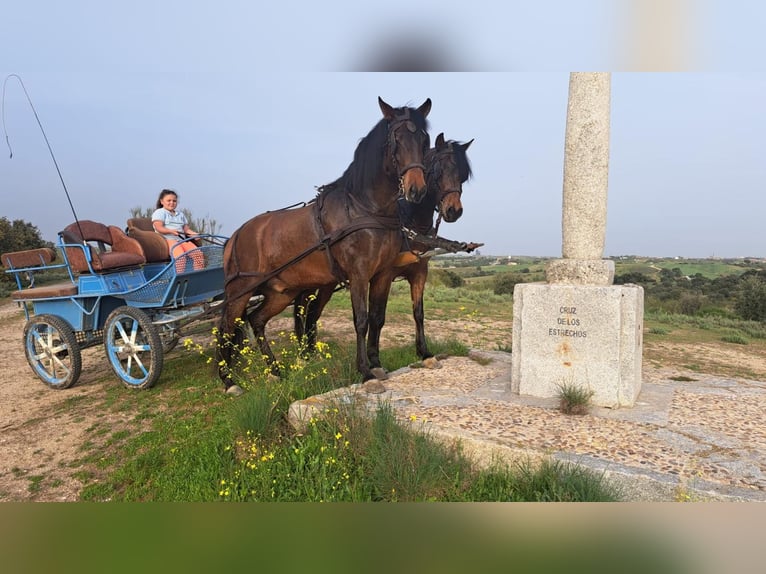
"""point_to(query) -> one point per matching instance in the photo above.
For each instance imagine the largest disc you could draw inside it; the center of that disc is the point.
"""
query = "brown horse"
(447, 168)
(351, 232)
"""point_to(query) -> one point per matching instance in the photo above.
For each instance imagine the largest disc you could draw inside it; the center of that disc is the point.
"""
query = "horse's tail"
(229, 256)
(222, 349)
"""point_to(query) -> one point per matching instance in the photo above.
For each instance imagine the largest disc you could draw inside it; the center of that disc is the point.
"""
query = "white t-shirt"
(175, 221)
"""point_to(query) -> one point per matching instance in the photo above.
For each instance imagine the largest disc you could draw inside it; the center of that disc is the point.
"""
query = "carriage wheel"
(133, 347)
(52, 351)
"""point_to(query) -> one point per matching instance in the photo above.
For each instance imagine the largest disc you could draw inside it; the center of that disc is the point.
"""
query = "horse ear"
(468, 144)
(388, 111)
(440, 141)
(425, 107)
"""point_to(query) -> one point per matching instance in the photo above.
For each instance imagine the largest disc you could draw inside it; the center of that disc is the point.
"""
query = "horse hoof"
(234, 390)
(380, 373)
(432, 363)
(374, 387)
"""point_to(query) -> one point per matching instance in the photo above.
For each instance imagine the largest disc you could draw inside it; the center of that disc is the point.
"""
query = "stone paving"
(699, 440)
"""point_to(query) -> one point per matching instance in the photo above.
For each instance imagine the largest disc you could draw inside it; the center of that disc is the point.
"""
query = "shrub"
(505, 282)
(751, 299)
(445, 277)
(690, 303)
(634, 277)
(17, 235)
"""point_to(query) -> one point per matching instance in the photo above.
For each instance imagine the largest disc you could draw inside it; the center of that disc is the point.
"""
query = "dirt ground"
(42, 431)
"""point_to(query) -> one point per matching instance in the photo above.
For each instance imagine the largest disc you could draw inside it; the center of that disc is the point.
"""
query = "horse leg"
(273, 304)
(307, 309)
(227, 338)
(417, 281)
(359, 289)
(380, 288)
(301, 325)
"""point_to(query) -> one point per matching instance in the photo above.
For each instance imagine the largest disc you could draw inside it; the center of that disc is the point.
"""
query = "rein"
(439, 212)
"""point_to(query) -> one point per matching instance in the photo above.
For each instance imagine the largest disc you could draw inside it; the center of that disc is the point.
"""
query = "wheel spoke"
(56, 361)
(39, 356)
(40, 343)
(49, 339)
(123, 334)
(140, 365)
(58, 348)
(48, 358)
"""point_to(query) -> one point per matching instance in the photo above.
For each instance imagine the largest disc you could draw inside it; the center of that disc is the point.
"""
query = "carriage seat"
(113, 248)
(39, 257)
(64, 289)
(154, 245)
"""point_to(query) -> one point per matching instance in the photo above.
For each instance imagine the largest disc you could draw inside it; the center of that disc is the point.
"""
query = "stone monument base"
(583, 335)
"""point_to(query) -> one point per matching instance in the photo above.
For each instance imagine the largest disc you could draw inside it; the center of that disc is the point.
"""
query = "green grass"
(706, 268)
(193, 443)
(440, 301)
(658, 331)
(723, 325)
(736, 338)
(710, 268)
(551, 481)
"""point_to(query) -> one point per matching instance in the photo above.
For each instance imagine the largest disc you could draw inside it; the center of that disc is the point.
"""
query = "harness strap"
(325, 242)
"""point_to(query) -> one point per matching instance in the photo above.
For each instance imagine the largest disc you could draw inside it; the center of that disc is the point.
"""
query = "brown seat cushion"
(57, 290)
(154, 245)
(142, 223)
(125, 251)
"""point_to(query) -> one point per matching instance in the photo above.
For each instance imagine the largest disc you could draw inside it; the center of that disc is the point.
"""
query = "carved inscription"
(567, 324)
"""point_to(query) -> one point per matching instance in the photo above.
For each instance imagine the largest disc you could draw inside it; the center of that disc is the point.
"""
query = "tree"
(19, 235)
(202, 225)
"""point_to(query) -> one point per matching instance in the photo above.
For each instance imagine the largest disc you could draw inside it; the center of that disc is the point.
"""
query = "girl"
(172, 225)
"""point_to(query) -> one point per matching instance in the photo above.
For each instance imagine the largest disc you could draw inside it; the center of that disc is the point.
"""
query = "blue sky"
(243, 108)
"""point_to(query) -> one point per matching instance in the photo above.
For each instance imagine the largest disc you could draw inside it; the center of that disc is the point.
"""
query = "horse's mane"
(370, 155)
(461, 159)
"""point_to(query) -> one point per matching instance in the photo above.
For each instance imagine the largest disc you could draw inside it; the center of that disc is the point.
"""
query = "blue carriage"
(124, 290)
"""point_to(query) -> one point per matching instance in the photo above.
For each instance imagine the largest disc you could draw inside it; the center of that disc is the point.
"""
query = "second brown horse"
(447, 168)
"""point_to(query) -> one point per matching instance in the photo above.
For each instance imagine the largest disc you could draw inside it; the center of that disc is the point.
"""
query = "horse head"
(408, 142)
(448, 170)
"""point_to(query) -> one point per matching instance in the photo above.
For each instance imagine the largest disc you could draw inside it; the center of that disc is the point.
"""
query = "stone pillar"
(578, 328)
(586, 172)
